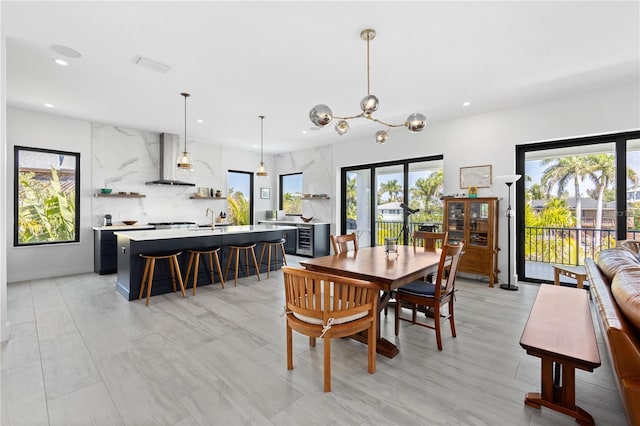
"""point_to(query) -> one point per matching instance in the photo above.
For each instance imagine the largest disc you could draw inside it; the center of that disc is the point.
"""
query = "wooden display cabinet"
(474, 221)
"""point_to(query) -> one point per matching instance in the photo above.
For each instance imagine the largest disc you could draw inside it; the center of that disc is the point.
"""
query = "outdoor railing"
(567, 246)
(386, 229)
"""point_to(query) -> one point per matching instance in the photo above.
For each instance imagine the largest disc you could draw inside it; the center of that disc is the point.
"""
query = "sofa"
(614, 278)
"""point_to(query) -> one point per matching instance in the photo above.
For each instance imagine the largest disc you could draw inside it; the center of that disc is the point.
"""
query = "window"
(47, 196)
(291, 194)
(240, 197)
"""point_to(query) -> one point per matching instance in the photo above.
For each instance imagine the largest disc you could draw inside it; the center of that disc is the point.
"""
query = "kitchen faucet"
(213, 218)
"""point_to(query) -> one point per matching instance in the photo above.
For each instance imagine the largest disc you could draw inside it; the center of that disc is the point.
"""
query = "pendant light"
(184, 159)
(262, 169)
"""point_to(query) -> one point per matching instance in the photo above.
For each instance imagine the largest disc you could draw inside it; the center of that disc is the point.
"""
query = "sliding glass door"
(577, 197)
(357, 212)
(391, 199)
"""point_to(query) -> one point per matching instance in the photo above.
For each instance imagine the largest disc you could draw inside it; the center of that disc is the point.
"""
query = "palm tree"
(392, 187)
(425, 195)
(536, 192)
(603, 174)
(564, 170)
(430, 187)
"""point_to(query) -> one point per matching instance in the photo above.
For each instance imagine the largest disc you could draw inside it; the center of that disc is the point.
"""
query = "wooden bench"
(560, 332)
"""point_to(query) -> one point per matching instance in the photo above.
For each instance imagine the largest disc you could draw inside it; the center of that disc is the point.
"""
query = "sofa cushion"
(611, 261)
(625, 288)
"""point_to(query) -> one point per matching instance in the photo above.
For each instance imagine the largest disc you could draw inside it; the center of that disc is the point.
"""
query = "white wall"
(25, 128)
(4, 185)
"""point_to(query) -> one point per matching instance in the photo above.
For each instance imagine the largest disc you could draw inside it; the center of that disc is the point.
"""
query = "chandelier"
(321, 115)
(184, 159)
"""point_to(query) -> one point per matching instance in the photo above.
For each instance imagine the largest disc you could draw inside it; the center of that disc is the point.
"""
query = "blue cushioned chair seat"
(419, 288)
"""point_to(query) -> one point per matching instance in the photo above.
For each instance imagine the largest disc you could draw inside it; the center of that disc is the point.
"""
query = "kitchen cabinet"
(311, 239)
(105, 246)
(291, 237)
(474, 221)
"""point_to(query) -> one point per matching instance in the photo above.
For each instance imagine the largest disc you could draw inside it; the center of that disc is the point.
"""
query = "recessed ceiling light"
(200, 121)
(48, 105)
(66, 51)
(61, 62)
(466, 104)
(304, 132)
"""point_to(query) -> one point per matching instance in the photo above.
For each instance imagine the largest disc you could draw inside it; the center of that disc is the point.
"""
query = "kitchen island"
(132, 244)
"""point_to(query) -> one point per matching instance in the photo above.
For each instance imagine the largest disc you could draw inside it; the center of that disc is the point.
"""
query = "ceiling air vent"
(151, 64)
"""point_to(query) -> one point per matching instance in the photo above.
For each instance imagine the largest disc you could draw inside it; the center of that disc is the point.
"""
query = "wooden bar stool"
(194, 255)
(149, 269)
(269, 245)
(235, 250)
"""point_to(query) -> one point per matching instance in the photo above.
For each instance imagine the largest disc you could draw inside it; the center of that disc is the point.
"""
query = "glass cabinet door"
(478, 223)
(456, 215)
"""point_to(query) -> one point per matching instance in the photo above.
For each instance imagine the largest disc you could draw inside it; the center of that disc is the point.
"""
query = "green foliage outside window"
(292, 203)
(46, 212)
(238, 208)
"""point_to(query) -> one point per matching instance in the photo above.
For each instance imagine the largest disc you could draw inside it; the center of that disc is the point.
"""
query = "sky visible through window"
(240, 183)
(292, 184)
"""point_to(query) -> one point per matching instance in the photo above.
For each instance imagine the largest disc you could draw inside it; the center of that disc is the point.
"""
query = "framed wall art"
(265, 193)
(478, 176)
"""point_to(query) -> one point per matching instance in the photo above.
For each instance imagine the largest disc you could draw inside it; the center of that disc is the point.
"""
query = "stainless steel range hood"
(169, 150)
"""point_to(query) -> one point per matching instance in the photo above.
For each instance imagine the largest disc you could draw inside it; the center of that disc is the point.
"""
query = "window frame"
(251, 190)
(281, 192)
(16, 195)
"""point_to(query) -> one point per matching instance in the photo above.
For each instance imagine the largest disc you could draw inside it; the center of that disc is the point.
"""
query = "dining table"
(389, 270)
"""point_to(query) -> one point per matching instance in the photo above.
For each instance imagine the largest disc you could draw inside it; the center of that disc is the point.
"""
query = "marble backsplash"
(316, 166)
(124, 159)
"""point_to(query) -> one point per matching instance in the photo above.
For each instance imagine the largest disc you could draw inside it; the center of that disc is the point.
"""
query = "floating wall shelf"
(208, 198)
(120, 195)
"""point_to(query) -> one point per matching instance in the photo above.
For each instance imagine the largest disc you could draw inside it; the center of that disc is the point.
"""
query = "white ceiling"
(243, 59)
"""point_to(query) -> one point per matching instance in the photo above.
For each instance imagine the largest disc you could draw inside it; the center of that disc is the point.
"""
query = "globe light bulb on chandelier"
(321, 115)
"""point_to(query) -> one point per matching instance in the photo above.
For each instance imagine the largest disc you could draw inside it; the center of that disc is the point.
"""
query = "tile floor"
(80, 354)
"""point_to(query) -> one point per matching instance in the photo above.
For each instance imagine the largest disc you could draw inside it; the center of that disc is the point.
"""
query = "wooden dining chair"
(329, 306)
(432, 295)
(430, 240)
(340, 243)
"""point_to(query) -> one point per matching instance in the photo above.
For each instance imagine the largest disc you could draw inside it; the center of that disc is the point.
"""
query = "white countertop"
(122, 227)
(292, 222)
(166, 234)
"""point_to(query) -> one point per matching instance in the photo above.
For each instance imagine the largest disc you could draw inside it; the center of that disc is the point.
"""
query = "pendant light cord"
(186, 95)
(261, 137)
(368, 78)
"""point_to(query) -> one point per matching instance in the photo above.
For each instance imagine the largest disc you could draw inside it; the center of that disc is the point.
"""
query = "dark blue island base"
(131, 245)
